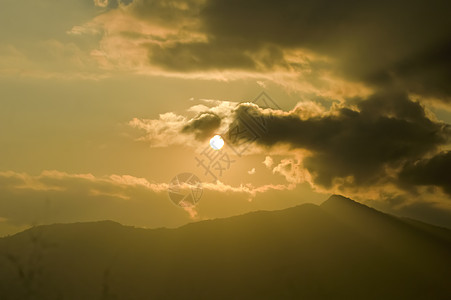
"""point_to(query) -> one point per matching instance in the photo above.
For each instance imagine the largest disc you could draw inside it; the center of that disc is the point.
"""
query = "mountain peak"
(339, 203)
(339, 200)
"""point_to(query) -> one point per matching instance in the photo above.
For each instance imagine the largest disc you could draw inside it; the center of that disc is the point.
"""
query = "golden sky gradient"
(103, 102)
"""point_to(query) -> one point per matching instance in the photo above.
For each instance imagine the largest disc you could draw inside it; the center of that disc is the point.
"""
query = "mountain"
(338, 250)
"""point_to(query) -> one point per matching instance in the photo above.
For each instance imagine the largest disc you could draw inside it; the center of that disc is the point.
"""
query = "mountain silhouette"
(338, 250)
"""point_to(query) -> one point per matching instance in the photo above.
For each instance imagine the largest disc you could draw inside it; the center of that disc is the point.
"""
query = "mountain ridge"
(333, 202)
(338, 250)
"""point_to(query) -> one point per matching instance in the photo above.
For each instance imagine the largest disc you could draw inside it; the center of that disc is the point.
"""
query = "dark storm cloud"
(377, 41)
(166, 12)
(388, 130)
(199, 56)
(402, 44)
(215, 55)
(430, 72)
(203, 126)
(435, 171)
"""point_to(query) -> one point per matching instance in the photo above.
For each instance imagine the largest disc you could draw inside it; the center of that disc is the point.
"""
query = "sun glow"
(216, 142)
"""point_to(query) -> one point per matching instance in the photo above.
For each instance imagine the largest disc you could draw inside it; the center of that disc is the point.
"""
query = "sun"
(216, 142)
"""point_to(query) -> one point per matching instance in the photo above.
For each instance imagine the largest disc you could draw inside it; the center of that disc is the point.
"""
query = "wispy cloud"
(212, 116)
(268, 162)
(101, 3)
(55, 196)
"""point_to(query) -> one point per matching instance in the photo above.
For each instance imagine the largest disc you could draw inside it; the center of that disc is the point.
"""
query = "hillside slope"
(339, 250)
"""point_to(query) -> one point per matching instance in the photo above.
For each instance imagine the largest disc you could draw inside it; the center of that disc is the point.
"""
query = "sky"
(104, 102)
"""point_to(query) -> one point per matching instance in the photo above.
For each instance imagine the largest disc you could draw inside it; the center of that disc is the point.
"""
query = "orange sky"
(104, 102)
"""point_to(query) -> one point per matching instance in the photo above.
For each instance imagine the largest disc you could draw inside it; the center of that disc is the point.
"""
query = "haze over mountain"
(129, 110)
(338, 250)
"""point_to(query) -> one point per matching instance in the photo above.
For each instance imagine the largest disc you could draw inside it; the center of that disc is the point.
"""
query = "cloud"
(355, 145)
(101, 3)
(292, 170)
(48, 59)
(383, 55)
(203, 126)
(172, 129)
(212, 117)
(361, 145)
(199, 57)
(56, 180)
(268, 162)
(163, 131)
(251, 172)
(170, 13)
(295, 44)
(349, 147)
(35, 40)
(261, 83)
(54, 197)
(434, 171)
(248, 189)
(177, 39)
